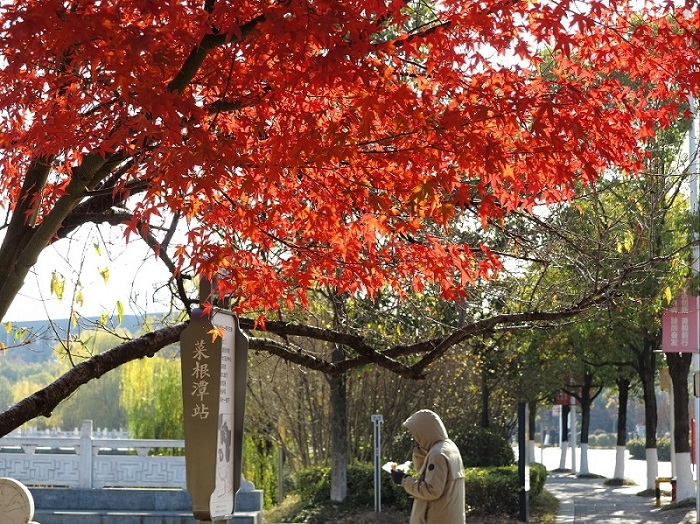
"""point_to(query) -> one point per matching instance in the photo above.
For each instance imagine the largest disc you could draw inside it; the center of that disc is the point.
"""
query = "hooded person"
(438, 490)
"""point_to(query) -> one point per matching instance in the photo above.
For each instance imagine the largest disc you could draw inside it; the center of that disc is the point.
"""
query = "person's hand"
(397, 476)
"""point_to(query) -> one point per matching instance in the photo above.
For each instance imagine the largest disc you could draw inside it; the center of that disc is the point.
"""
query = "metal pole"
(572, 432)
(693, 168)
(280, 474)
(377, 420)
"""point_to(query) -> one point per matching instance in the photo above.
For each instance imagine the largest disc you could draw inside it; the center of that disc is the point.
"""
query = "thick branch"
(211, 41)
(387, 358)
(44, 401)
(101, 204)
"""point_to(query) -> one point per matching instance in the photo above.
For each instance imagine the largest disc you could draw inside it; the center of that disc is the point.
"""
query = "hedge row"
(496, 490)
(314, 486)
(602, 440)
(638, 451)
(490, 490)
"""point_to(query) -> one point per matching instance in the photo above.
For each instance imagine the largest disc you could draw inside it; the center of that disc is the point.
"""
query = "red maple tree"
(312, 143)
(327, 142)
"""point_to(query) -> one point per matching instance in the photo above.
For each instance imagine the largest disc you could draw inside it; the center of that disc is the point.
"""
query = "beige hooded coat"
(439, 489)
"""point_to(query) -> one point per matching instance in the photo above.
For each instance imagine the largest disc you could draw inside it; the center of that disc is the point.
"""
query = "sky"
(132, 277)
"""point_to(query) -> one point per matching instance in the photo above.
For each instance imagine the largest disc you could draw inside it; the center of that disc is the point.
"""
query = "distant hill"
(41, 336)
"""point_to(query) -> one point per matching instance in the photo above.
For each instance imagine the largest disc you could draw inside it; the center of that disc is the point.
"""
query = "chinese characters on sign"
(200, 387)
(680, 326)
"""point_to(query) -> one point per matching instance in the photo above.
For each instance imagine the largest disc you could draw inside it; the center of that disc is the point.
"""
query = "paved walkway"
(589, 500)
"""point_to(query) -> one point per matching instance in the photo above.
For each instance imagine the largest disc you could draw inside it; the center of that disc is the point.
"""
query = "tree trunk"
(678, 367)
(339, 411)
(623, 391)
(532, 419)
(586, 402)
(588, 395)
(564, 435)
(339, 439)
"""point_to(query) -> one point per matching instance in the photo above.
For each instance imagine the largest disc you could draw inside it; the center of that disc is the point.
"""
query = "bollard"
(658, 482)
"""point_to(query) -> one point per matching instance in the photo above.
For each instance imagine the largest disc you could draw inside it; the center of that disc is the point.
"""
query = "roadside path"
(589, 501)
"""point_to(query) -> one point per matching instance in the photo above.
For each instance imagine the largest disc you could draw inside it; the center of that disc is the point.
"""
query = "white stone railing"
(87, 462)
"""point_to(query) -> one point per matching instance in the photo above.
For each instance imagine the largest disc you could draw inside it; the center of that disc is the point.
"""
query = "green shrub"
(638, 451)
(492, 490)
(361, 487)
(602, 440)
(314, 485)
(260, 465)
(496, 490)
(481, 448)
(538, 476)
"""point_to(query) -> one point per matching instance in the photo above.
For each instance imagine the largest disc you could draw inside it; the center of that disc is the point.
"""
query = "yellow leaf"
(667, 292)
(79, 298)
(105, 274)
(120, 311)
(8, 327)
(57, 284)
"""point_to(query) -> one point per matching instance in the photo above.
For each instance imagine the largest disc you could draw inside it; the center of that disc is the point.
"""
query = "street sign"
(564, 399)
(679, 326)
(214, 374)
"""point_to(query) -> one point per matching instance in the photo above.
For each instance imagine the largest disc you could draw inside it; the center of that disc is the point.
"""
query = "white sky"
(132, 279)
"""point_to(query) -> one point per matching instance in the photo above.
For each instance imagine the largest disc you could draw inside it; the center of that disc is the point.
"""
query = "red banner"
(680, 326)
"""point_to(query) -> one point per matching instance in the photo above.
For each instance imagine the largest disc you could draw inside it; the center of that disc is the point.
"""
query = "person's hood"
(426, 428)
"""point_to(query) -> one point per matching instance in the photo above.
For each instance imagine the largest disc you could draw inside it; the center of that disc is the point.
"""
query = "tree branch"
(44, 401)
(211, 41)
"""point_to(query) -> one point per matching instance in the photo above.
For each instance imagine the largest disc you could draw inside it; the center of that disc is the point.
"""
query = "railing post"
(85, 452)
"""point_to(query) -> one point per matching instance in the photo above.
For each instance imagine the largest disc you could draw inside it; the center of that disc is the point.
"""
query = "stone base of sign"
(16, 502)
(136, 517)
(134, 506)
(249, 499)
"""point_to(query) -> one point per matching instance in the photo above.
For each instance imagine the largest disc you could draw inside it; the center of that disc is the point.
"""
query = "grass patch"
(289, 506)
(686, 503)
(652, 493)
(620, 482)
(544, 508)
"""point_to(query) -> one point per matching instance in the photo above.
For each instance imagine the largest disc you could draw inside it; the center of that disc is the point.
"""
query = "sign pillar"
(376, 421)
(214, 355)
